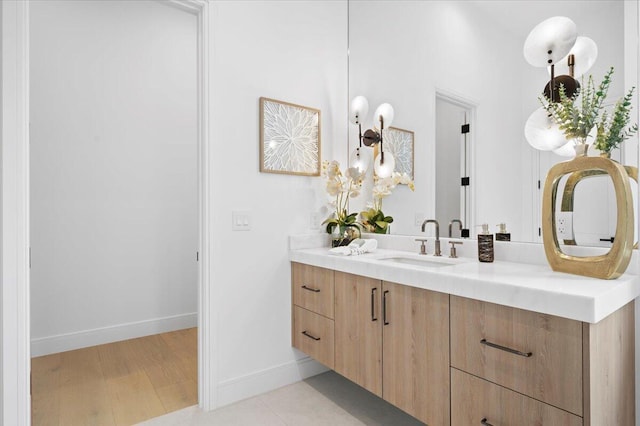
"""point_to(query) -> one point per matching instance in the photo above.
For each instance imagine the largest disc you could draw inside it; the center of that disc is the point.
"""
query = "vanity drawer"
(535, 354)
(474, 400)
(312, 288)
(313, 335)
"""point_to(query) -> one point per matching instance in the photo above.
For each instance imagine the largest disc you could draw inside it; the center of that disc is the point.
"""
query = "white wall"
(295, 52)
(1, 257)
(113, 162)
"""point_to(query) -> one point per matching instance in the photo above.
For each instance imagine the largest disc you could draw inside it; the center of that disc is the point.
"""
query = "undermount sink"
(424, 260)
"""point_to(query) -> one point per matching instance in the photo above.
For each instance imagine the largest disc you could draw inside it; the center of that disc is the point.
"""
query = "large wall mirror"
(465, 57)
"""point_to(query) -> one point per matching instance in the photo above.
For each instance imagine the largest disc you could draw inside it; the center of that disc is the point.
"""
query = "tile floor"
(326, 399)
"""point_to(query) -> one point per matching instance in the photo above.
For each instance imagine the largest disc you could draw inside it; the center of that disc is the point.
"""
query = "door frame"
(471, 107)
(15, 356)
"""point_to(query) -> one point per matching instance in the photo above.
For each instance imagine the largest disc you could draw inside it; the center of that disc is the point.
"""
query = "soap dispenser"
(485, 245)
(502, 234)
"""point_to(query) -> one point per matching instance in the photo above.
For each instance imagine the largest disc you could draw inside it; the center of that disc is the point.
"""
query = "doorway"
(114, 173)
(453, 180)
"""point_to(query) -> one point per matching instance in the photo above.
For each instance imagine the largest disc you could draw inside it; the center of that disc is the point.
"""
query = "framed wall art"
(399, 143)
(289, 138)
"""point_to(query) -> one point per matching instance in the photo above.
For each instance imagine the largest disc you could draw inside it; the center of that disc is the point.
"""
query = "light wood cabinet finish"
(358, 330)
(609, 369)
(416, 352)
(313, 334)
(553, 372)
(474, 399)
(312, 288)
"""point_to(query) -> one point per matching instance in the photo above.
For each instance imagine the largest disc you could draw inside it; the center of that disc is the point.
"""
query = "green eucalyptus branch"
(576, 119)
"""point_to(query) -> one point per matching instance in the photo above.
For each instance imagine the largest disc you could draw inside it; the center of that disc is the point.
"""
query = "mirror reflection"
(442, 64)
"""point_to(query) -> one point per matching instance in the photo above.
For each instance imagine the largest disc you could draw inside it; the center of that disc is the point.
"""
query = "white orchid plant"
(373, 219)
(341, 187)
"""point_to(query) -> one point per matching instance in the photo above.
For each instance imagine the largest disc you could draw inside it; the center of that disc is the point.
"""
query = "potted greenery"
(342, 225)
(613, 129)
(577, 115)
(373, 219)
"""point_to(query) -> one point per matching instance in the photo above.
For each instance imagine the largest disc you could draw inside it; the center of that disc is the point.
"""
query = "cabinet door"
(312, 288)
(478, 402)
(358, 330)
(416, 352)
(313, 335)
(535, 354)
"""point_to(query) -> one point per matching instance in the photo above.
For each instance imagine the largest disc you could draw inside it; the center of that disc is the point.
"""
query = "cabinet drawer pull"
(315, 290)
(373, 301)
(485, 422)
(384, 307)
(310, 336)
(504, 348)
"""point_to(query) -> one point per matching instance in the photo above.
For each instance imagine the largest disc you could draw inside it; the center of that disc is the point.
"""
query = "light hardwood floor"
(119, 383)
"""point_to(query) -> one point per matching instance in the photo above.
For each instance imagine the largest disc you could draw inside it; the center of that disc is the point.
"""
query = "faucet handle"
(423, 247)
(453, 253)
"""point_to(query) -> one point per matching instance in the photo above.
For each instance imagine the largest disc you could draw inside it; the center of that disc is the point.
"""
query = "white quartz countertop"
(531, 287)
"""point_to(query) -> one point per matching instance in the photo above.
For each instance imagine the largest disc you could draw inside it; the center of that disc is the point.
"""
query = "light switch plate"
(241, 221)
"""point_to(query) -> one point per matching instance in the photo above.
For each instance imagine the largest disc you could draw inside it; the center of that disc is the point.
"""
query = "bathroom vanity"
(453, 341)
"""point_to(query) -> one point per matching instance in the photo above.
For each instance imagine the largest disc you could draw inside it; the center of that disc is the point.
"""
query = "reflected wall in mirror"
(473, 50)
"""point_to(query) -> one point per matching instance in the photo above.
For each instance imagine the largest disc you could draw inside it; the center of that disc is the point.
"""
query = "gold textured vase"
(612, 264)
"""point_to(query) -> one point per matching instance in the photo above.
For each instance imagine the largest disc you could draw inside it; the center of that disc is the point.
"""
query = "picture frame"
(290, 138)
(400, 143)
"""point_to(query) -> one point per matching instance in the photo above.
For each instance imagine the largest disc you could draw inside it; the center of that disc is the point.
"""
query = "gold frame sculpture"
(612, 264)
(568, 194)
(295, 133)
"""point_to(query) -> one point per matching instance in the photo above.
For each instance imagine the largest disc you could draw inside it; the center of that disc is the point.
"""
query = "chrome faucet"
(424, 225)
(459, 222)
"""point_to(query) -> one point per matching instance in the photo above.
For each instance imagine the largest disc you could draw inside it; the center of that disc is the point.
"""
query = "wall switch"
(418, 218)
(564, 226)
(241, 221)
(315, 219)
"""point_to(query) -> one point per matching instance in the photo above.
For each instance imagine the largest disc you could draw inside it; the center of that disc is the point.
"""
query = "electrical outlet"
(564, 226)
(418, 218)
(315, 219)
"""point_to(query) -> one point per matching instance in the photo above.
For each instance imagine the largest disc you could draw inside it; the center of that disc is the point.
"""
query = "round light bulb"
(542, 132)
(550, 41)
(566, 150)
(585, 53)
(386, 111)
(359, 109)
(361, 159)
(384, 170)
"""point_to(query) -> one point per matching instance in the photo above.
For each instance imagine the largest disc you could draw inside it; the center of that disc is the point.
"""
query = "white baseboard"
(236, 389)
(98, 336)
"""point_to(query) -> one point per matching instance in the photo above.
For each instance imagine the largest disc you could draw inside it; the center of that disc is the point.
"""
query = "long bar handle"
(310, 336)
(485, 422)
(504, 348)
(373, 301)
(384, 307)
(315, 290)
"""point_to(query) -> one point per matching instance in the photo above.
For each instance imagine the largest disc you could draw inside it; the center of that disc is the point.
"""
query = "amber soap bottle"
(485, 245)
(502, 234)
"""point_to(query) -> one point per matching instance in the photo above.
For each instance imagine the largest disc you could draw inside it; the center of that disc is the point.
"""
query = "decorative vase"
(575, 178)
(342, 235)
(612, 264)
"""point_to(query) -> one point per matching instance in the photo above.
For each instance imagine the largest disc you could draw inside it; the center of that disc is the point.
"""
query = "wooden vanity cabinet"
(393, 340)
(358, 330)
(512, 366)
(415, 352)
(450, 360)
(312, 325)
